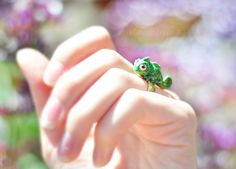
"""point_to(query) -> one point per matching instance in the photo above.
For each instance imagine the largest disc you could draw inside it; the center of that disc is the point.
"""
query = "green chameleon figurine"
(151, 72)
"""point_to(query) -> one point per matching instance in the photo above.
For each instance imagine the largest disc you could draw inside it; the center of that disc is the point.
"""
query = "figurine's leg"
(151, 87)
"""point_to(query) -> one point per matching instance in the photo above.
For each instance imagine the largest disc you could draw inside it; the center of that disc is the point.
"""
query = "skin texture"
(151, 72)
(95, 111)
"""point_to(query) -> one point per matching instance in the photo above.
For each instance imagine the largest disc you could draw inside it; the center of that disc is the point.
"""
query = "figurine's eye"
(143, 66)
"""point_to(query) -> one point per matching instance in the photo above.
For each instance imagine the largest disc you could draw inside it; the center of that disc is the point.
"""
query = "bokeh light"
(193, 40)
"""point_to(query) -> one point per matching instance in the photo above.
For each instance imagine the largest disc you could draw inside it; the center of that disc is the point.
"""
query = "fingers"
(95, 102)
(33, 64)
(73, 84)
(137, 106)
(94, 107)
(76, 49)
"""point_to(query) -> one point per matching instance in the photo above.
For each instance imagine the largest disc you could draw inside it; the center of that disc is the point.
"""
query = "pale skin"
(93, 85)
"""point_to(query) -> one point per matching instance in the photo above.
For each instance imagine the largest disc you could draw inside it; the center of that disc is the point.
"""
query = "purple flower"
(5, 6)
(22, 22)
(148, 12)
(220, 136)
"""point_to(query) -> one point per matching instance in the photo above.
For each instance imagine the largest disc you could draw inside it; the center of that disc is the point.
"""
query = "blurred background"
(195, 42)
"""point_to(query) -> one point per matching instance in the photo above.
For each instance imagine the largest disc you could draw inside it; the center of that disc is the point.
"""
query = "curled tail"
(166, 83)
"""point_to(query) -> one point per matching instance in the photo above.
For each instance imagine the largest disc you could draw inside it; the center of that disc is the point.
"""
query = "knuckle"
(102, 35)
(130, 93)
(119, 76)
(101, 31)
(133, 97)
(110, 56)
(106, 52)
(188, 116)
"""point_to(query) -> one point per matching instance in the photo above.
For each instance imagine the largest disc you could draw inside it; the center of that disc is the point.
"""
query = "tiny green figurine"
(151, 72)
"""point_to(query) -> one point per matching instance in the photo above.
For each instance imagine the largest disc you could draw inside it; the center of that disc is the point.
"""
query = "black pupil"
(143, 66)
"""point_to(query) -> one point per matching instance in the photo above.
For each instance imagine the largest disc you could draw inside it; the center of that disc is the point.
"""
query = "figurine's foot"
(151, 87)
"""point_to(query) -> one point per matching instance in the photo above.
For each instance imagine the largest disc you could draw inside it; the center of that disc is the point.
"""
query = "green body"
(151, 72)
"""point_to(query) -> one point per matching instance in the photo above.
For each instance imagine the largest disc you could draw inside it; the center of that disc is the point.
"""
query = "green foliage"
(10, 76)
(22, 128)
(30, 161)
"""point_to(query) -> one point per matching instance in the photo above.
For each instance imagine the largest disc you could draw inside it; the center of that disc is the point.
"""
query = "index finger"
(76, 49)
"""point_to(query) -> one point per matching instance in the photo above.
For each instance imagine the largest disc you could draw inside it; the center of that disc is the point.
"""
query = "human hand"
(93, 85)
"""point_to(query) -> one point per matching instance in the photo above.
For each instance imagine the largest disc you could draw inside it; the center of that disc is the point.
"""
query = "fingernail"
(53, 72)
(66, 147)
(52, 113)
(100, 158)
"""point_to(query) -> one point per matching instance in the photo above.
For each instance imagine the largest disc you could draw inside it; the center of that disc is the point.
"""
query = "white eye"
(143, 66)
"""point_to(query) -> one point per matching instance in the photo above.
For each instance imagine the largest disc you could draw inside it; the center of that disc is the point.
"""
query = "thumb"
(33, 64)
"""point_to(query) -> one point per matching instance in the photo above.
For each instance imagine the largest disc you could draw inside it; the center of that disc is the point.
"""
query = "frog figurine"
(151, 72)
